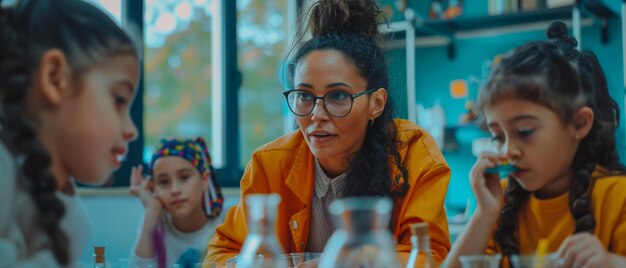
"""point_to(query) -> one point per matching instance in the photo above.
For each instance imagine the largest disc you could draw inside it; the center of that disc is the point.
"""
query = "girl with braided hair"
(548, 108)
(348, 144)
(68, 75)
(183, 204)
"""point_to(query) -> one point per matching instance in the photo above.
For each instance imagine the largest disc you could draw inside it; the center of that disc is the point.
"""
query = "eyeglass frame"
(315, 98)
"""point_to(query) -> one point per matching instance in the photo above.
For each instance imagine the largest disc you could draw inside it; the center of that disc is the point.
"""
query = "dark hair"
(351, 27)
(556, 75)
(86, 36)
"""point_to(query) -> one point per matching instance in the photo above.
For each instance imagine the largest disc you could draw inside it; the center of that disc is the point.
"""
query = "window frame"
(226, 132)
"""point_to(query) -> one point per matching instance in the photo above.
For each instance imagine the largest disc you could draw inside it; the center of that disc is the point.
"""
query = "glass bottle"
(261, 248)
(98, 257)
(421, 256)
(363, 238)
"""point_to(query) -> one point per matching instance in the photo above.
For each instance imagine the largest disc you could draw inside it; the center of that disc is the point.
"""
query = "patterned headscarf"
(197, 153)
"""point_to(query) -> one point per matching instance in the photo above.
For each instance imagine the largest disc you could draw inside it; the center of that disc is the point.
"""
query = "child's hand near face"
(486, 187)
(144, 189)
(489, 196)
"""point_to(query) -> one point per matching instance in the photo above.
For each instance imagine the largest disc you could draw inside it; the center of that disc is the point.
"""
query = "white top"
(22, 242)
(180, 247)
(76, 224)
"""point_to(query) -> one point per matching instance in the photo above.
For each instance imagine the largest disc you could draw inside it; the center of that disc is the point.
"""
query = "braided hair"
(29, 28)
(556, 75)
(351, 27)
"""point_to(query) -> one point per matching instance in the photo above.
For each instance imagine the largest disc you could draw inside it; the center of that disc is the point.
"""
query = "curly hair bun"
(557, 32)
(345, 16)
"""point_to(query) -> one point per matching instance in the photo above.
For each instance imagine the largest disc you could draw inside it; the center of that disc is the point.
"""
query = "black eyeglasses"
(337, 103)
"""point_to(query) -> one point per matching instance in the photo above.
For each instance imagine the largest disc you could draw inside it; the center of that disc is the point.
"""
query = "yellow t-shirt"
(551, 218)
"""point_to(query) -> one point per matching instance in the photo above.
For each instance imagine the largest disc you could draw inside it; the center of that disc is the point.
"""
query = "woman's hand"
(144, 189)
(486, 187)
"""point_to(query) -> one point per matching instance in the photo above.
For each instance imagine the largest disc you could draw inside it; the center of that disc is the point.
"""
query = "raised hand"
(144, 189)
(486, 187)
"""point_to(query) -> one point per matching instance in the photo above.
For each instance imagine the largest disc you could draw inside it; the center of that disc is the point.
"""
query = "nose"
(175, 188)
(129, 130)
(319, 111)
(511, 150)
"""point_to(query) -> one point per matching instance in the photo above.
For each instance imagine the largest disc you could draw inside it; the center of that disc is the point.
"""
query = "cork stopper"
(419, 229)
(99, 252)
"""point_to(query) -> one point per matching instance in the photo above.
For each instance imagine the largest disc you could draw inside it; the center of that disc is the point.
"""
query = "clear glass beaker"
(481, 261)
(529, 261)
(362, 238)
(261, 248)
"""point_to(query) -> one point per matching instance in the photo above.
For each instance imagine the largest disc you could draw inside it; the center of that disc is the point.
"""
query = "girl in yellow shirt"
(548, 108)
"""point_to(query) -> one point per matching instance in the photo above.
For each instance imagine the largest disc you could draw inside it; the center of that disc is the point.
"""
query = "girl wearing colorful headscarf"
(182, 202)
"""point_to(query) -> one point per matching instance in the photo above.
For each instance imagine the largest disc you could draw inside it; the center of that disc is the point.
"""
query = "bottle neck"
(263, 226)
(422, 244)
(99, 261)
(261, 212)
(363, 221)
(362, 214)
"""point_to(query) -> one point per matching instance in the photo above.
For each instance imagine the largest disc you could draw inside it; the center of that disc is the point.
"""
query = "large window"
(262, 42)
(113, 7)
(178, 71)
(191, 73)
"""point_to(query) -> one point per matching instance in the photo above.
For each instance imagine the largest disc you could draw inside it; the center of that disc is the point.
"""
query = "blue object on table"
(502, 170)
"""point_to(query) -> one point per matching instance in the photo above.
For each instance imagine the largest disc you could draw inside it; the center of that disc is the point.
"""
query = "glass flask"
(362, 238)
(420, 257)
(481, 261)
(261, 248)
(530, 261)
(98, 257)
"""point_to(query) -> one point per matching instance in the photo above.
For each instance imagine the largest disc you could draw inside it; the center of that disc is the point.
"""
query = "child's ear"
(583, 121)
(378, 102)
(52, 77)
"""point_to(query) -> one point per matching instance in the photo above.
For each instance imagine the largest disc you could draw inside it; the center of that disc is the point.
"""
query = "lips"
(520, 173)
(178, 202)
(118, 155)
(321, 136)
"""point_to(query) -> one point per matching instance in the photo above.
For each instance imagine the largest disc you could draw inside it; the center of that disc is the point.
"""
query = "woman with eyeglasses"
(347, 145)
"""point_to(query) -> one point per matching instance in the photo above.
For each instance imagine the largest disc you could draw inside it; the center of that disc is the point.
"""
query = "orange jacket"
(286, 166)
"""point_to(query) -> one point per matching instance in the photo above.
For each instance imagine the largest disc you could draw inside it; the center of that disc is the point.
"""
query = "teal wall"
(434, 71)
